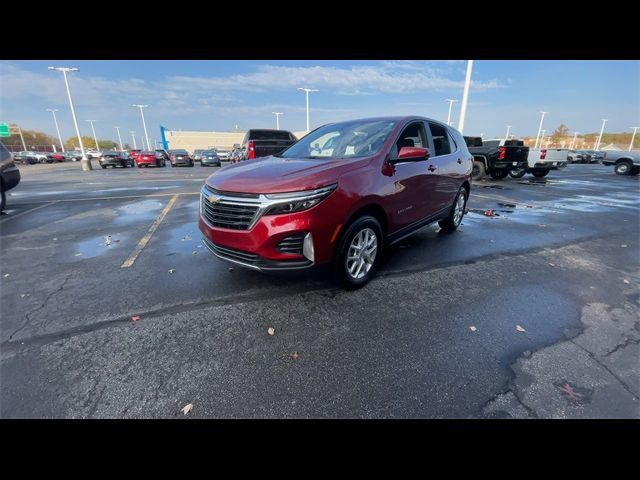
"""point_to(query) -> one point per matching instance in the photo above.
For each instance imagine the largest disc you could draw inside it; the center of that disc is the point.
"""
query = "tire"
(3, 198)
(191, 164)
(479, 171)
(635, 170)
(104, 167)
(517, 172)
(358, 231)
(452, 222)
(499, 174)
(623, 168)
(540, 173)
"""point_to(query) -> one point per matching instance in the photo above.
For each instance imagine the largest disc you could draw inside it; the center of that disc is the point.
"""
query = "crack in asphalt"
(44, 303)
(530, 410)
(595, 359)
(626, 343)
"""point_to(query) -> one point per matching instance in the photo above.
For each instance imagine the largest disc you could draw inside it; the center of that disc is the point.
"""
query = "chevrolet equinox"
(340, 194)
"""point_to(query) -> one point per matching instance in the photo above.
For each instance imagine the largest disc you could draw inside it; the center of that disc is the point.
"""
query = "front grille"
(292, 244)
(238, 215)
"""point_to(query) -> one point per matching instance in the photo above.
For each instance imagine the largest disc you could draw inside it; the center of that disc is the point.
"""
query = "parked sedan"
(58, 157)
(25, 158)
(197, 154)
(149, 158)
(180, 158)
(74, 156)
(209, 158)
(114, 159)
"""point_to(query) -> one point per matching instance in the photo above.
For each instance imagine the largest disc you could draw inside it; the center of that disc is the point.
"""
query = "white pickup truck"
(540, 161)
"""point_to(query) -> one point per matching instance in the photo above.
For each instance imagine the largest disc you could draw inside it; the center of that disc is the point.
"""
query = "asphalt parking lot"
(530, 313)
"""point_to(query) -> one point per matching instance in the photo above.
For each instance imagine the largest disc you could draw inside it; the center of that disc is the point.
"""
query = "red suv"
(340, 194)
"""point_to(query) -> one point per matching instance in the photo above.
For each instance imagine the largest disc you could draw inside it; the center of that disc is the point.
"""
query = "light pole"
(119, 138)
(451, 102)
(55, 120)
(306, 91)
(95, 138)
(597, 147)
(133, 137)
(144, 125)
(539, 128)
(24, 145)
(573, 142)
(633, 137)
(465, 96)
(542, 138)
(85, 162)
(506, 137)
(277, 114)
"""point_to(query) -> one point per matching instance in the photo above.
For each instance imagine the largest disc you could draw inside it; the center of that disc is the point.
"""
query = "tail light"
(503, 152)
(543, 154)
(252, 150)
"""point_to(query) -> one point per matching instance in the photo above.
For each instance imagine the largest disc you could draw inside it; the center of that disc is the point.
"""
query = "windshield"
(342, 140)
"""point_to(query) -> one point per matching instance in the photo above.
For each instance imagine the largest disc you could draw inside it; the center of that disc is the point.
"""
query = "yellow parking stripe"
(144, 240)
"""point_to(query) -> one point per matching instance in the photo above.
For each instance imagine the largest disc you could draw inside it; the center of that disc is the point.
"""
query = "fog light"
(307, 247)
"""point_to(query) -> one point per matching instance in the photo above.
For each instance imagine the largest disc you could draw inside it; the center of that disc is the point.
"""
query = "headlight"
(297, 201)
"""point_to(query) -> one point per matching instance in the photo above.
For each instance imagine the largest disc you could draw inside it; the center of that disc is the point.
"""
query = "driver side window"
(412, 136)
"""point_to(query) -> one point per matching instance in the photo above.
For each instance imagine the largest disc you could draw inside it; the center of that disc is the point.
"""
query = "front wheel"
(452, 222)
(540, 173)
(359, 253)
(499, 174)
(623, 168)
(517, 172)
(104, 167)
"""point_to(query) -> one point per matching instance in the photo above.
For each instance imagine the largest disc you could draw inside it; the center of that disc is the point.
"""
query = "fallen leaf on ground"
(626, 281)
(271, 331)
(55, 239)
(489, 213)
(520, 329)
(117, 241)
(231, 269)
(570, 392)
(295, 356)
(172, 270)
(552, 264)
(542, 225)
(472, 328)
(136, 318)
(187, 408)
(77, 254)
(6, 275)
(194, 253)
(623, 246)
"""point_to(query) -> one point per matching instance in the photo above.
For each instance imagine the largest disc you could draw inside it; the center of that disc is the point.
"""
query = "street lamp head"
(52, 109)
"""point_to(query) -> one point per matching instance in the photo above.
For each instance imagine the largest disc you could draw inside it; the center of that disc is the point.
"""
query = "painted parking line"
(144, 240)
(29, 211)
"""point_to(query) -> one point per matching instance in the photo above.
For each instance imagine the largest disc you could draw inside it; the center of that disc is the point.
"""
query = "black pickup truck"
(265, 142)
(496, 157)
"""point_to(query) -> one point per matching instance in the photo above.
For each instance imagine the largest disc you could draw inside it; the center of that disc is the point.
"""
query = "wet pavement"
(558, 257)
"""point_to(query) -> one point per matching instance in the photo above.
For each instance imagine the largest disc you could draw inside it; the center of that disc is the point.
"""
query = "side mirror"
(409, 154)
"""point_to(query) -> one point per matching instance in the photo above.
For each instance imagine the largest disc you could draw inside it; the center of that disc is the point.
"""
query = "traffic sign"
(4, 130)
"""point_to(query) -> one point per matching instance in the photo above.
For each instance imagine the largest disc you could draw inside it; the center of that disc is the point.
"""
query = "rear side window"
(4, 153)
(491, 143)
(441, 142)
(270, 134)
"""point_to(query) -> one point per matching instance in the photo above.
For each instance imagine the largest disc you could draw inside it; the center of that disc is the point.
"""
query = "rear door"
(443, 169)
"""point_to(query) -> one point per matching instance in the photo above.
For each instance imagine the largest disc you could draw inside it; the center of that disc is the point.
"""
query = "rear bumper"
(549, 165)
(498, 165)
(10, 177)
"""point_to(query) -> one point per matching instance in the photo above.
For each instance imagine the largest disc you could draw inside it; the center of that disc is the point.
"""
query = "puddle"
(185, 240)
(137, 211)
(96, 246)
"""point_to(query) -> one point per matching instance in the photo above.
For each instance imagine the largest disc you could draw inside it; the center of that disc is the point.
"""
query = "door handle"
(431, 168)
(459, 161)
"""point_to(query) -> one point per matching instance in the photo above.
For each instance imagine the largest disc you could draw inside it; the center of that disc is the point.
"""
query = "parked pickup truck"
(541, 161)
(496, 156)
(626, 163)
(263, 142)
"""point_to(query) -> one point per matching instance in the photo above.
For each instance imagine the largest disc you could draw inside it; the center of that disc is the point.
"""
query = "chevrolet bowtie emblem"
(213, 199)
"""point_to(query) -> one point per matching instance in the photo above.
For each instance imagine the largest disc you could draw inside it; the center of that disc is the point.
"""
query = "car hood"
(274, 175)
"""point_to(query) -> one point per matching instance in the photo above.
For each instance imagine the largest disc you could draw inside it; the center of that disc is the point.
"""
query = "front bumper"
(253, 261)
(213, 163)
(10, 177)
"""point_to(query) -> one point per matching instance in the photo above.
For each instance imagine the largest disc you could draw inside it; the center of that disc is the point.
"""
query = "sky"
(220, 94)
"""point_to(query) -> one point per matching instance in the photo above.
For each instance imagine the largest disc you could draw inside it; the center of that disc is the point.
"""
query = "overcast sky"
(218, 95)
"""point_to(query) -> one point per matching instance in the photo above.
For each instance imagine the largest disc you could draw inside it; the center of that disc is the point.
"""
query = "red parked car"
(340, 194)
(144, 159)
(134, 153)
(58, 157)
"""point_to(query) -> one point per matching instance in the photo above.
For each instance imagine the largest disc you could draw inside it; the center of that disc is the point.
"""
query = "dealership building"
(191, 140)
